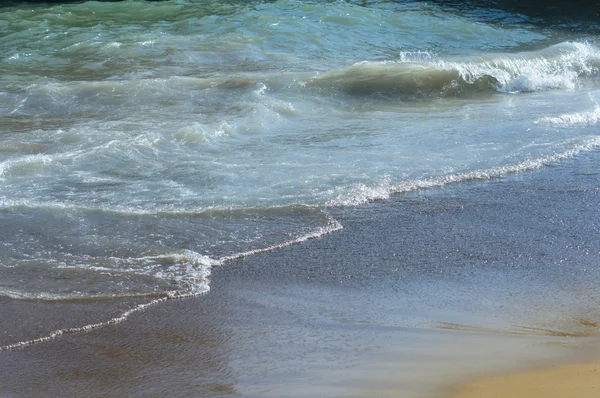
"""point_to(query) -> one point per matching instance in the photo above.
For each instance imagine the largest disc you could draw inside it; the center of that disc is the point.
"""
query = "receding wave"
(196, 282)
(557, 67)
(86, 328)
(360, 194)
(355, 196)
(331, 226)
(84, 277)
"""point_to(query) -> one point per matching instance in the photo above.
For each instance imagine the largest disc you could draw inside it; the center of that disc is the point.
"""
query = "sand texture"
(573, 381)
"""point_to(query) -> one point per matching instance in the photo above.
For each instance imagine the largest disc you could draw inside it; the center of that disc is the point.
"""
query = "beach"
(565, 381)
(397, 303)
(298, 198)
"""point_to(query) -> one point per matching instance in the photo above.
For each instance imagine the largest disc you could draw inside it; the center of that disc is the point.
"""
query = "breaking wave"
(557, 67)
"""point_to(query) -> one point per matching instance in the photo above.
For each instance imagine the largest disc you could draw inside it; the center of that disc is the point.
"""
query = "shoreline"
(413, 295)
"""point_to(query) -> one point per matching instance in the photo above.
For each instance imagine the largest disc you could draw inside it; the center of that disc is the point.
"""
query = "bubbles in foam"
(360, 194)
(417, 56)
(25, 165)
(570, 119)
(556, 67)
(190, 271)
(197, 133)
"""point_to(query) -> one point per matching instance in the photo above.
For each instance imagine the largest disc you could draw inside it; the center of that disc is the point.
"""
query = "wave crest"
(557, 67)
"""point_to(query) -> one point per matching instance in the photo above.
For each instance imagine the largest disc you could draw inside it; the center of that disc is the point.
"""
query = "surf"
(561, 66)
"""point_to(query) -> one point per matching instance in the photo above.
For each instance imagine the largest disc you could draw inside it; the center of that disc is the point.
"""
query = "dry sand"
(565, 381)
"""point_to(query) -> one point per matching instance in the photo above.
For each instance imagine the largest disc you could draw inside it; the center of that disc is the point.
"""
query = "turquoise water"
(142, 143)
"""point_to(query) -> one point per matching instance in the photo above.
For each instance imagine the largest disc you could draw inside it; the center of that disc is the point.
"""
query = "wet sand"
(424, 291)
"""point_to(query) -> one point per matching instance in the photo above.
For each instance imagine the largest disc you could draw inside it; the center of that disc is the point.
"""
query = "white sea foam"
(198, 133)
(24, 165)
(360, 194)
(557, 67)
(570, 119)
(190, 273)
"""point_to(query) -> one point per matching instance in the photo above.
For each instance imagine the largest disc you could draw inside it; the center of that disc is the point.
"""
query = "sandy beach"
(577, 381)
(413, 298)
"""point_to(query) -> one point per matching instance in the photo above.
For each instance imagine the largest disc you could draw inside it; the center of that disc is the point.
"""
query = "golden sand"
(566, 381)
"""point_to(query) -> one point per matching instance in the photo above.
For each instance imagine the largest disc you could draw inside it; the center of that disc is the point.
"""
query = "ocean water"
(143, 143)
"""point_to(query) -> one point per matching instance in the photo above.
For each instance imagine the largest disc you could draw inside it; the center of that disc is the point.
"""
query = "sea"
(143, 144)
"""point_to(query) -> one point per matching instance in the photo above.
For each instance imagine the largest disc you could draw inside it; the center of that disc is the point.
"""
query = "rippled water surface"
(142, 143)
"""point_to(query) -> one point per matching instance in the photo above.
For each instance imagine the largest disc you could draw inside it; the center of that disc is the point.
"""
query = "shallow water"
(415, 293)
(142, 144)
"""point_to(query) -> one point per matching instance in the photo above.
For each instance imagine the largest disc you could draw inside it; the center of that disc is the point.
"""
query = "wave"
(570, 119)
(174, 273)
(90, 88)
(197, 280)
(360, 194)
(409, 79)
(84, 277)
(557, 67)
(413, 75)
(184, 272)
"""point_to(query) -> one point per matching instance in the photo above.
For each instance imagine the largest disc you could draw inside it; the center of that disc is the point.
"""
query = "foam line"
(364, 194)
(332, 226)
(113, 321)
